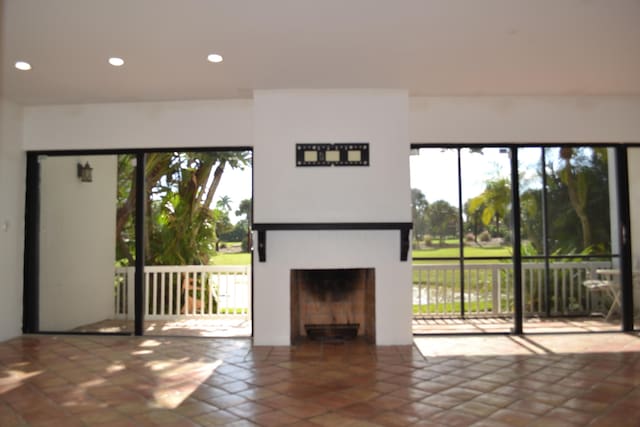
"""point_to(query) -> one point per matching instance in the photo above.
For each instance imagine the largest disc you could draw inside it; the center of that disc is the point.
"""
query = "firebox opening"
(333, 304)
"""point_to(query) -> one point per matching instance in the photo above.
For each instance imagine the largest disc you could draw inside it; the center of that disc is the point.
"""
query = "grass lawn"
(244, 258)
(235, 258)
(469, 253)
(453, 307)
(493, 251)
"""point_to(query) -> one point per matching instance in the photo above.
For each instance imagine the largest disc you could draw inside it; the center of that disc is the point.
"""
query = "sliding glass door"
(562, 268)
(148, 243)
(463, 275)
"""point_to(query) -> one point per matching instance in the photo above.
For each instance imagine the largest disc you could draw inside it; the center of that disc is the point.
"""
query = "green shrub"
(484, 236)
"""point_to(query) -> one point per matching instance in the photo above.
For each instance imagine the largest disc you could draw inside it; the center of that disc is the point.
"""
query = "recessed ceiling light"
(215, 58)
(22, 66)
(116, 62)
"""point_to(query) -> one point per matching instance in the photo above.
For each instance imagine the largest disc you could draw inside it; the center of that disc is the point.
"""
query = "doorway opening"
(484, 215)
(86, 237)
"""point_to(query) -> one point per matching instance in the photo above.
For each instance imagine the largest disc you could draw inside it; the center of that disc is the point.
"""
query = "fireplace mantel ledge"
(262, 228)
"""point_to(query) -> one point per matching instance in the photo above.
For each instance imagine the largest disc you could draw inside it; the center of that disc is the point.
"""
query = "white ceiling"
(430, 47)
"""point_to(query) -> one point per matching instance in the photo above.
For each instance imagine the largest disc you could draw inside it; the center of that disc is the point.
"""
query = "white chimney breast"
(284, 193)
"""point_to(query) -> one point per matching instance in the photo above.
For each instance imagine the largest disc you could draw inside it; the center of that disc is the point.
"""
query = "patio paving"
(238, 327)
(483, 325)
(213, 328)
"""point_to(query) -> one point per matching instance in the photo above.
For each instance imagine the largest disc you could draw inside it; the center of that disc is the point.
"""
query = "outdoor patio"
(198, 327)
(483, 325)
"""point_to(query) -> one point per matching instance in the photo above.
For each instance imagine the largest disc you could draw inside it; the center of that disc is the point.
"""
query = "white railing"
(186, 291)
(221, 291)
(488, 289)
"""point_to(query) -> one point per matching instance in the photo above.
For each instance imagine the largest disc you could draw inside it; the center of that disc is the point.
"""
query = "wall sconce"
(84, 172)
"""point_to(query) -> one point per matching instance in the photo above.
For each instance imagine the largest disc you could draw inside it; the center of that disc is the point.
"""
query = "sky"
(435, 171)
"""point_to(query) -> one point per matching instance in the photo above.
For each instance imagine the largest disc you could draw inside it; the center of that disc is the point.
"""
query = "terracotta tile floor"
(541, 380)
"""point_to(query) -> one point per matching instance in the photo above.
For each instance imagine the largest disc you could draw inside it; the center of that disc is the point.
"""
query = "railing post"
(495, 291)
(130, 290)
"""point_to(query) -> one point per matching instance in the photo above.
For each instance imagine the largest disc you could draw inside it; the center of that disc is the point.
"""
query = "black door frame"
(31, 267)
(623, 211)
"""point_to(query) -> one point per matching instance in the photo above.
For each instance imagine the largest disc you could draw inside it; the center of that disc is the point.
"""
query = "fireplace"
(333, 304)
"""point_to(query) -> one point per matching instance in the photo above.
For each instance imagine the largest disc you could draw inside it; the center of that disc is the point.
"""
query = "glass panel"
(535, 285)
(82, 287)
(434, 203)
(197, 260)
(446, 297)
(486, 197)
(569, 208)
(531, 201)
(436, 242)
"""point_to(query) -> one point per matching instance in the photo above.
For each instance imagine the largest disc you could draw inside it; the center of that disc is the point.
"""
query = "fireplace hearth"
(333, 304)
(332, 331)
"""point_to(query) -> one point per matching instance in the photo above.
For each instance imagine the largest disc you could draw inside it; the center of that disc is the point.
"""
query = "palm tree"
(494, 202)
(578, 192)
(224, 204)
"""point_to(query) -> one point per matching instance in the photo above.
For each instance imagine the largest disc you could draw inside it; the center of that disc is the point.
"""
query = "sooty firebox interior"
(333, 304)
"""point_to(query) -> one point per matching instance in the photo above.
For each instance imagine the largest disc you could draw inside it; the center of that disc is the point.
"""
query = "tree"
(237, 234)
(245, 209)
(579, 213)
(179, 189)
(588, 180)
(494, 200)
(223, 225)
(224, 203)
(419, 207)
(443, 219)
(576, 183)
(531, 218)
(473, 214)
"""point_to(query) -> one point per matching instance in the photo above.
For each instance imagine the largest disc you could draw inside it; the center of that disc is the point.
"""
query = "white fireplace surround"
(287, 250)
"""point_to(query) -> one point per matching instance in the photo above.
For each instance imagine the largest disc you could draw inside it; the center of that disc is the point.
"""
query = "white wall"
(541, 119)
(139, 125)
(77, 242)
(431, 120)
(376, 193)
(12, 187)
(285, 193)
